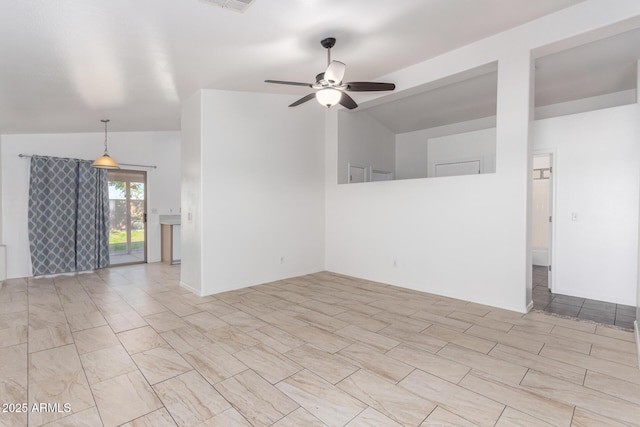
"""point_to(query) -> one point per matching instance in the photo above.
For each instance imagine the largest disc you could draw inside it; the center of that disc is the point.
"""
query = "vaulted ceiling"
(65, 64)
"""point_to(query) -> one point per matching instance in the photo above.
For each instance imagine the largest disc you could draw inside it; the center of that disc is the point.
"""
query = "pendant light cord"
(105, 135)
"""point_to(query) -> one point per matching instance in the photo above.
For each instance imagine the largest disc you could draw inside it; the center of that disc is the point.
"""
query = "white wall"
(466, 236)
(150, 148)
(364, 141)
(597, 177)
(191, 193)
(417, 152)
(262, 189)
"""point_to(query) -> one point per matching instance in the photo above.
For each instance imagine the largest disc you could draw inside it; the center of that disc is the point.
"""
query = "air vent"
(235, 5)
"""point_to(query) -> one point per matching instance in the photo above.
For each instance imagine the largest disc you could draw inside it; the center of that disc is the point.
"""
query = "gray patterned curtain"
(68, 216)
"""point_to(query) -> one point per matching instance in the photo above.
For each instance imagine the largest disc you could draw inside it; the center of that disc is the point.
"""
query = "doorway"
(542, 229)
(128, 216)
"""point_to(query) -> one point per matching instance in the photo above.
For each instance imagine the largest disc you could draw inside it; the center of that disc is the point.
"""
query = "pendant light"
(106, 161)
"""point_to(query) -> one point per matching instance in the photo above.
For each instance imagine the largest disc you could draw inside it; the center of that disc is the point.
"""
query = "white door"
(357, 174)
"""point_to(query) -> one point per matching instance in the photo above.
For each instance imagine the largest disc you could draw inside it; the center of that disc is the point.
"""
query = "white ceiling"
(66, 64)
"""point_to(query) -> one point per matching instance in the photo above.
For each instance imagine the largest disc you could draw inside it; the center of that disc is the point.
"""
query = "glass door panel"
(127, 202)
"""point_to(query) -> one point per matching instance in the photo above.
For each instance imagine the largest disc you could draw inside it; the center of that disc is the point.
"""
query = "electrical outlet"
(281, 260)
(395, 263)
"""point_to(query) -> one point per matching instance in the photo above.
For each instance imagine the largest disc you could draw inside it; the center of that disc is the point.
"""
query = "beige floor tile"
(165, 321)
(368, 358)
(190, 399)
(506, 338)
(419, 340)
(574, 324)
(56, 376)
(124, 398)
(402, 323)
(449, 335)
(443, 418)
(243, 321)
(322, 307)
(566, 343)
(612, 369)
(158, 418)
(481, 321)
(228, 418)
(276, 338)
(87, 418)
(106, 363)
(160, 363)
(372, 418)
(82, 321)
(584, 418)
(331, 367)
(125, 321)
(449, 322)
(323, 400)
(442, 367)
(512, 418)
(584, 397)
(379, 342)
(185, 340)
(214, 363)
(613, 355)
(389, 399)
(604, 341)
(231, 339)
(14, 329)
(48, 329)
(505, 371)
(543, 408)
(205, 321)
(361, 320)
(258, 401)
(13, 383)
(613, 386)
(555, 368)
(321, 321)
(217, 307)
(299, 417)
(94, 339)
(320, 338)
(268, 363)
(140, 339)
(477, 408)
(283, 318)
(148, 307)
(615, 333)
(181, 308)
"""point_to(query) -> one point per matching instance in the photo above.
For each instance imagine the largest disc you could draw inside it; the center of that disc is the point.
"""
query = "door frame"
(553, 159)
(144, 215)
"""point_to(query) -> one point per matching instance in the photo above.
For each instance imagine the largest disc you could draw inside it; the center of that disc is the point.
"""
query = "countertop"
(170, 219)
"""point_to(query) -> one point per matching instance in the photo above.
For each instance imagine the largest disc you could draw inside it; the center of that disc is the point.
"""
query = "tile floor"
(127, 346)
(583, 308)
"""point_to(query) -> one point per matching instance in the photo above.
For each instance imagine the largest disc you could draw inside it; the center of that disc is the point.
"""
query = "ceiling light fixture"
(328, 97)
(106, 161)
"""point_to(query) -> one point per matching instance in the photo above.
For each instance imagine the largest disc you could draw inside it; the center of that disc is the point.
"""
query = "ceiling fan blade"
(280, 82)
(369, 86)
(335, 72)
(303, 100)
(347, 101)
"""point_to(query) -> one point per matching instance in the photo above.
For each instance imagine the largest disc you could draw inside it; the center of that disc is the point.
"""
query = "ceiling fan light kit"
(328, 97)
(329, 86)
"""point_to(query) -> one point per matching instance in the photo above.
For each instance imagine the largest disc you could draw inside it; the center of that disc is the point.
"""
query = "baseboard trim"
(530, 306)
(190, 288)
(636, 327)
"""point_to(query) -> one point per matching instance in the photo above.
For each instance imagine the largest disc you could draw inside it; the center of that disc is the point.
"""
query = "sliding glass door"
(128, 207)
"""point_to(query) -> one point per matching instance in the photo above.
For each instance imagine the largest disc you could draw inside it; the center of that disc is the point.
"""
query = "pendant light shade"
(328, 97)
(106, 161)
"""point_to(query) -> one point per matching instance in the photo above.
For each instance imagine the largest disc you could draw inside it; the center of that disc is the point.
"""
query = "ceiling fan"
(330, 90)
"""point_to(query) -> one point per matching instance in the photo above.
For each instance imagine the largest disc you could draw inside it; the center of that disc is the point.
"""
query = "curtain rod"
(123, 164)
